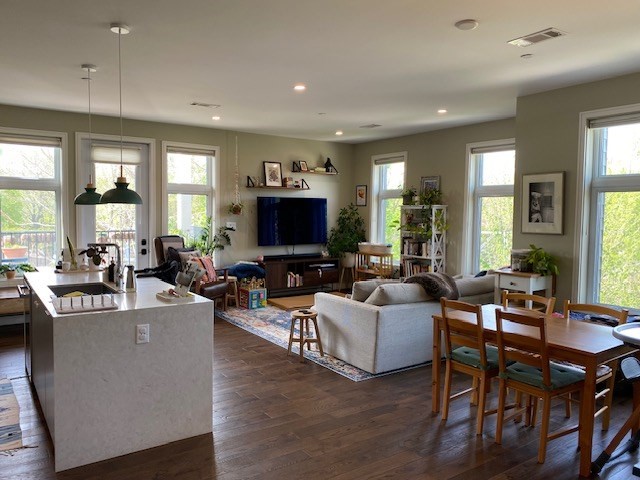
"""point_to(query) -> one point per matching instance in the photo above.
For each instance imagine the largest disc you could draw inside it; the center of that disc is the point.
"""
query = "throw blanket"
(436, 284)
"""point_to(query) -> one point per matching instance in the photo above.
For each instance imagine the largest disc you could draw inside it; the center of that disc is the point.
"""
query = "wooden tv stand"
(298, 274)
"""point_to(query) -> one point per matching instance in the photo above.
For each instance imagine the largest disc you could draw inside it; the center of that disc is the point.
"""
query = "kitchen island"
(103, 394)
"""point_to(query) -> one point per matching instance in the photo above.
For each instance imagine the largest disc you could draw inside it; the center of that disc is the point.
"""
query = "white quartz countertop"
(143, 298)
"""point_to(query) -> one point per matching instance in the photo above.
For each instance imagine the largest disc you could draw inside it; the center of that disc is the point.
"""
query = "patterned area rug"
(274, 324)
(10, 433)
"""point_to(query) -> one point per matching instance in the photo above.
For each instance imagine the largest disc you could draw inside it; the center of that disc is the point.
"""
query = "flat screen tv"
(291, 221)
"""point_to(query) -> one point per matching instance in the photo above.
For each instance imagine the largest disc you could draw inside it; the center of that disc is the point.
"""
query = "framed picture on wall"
(361, 195)
(542, 203)
(272, 174)
(429, 183)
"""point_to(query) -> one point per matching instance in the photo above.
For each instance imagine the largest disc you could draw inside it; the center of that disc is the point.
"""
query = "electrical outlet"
(231, 225)
(142, 333)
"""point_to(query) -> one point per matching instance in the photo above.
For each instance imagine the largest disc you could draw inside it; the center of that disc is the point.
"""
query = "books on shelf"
(294, 280)
(415, 247)
(413, 267)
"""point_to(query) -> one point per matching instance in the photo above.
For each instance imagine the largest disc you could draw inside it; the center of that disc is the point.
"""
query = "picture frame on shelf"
(429, 183)
(542, 203)
(303, 166)
(361, 195)
(272, 174)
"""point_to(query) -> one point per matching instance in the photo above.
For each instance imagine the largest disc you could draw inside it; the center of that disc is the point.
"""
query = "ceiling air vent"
(537, 37)
(371, 125)
(204, 105)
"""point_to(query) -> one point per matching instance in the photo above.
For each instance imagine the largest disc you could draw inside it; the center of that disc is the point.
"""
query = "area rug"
(10, 433)
(274, 324)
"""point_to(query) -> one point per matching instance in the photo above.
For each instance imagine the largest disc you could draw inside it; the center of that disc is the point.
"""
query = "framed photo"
(429, 183)
(272, 174)
(303, 166)
(542, 203)
(361, 195)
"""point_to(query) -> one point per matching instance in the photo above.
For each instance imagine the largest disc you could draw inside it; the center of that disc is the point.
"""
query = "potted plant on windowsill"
(345, 236)
(8, 271)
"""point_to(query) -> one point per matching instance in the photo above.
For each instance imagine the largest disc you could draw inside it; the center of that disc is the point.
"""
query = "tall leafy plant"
(541, 262)
(348, 231)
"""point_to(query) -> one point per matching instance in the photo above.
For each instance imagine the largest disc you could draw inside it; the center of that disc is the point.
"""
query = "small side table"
(526, 282)
(304, 316)
(232, 292)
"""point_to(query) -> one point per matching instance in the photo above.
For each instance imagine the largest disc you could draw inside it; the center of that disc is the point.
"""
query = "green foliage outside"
(496, 232)
(392, 216)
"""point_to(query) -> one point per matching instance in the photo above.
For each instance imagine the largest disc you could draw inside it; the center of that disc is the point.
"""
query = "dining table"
(579, 342)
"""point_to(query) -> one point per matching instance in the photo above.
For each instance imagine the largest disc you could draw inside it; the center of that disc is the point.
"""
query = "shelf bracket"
(250, 182)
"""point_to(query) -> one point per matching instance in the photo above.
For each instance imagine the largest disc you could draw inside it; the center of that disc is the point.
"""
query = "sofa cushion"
(397, 293)
(469, 286)
(436, 284)
(361, 290)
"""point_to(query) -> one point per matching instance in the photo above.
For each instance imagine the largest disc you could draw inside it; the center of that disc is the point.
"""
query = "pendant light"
(89, 196)
(120, 194)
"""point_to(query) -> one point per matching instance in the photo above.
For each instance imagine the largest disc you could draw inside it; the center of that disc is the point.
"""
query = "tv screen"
(291, 221)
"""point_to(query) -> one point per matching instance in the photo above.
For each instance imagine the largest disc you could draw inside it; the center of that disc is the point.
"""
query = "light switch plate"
(231, 225)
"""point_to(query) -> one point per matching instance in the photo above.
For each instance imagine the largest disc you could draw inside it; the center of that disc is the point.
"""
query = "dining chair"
(605, 372)
(466, 352)
(522, 339)
(528, 301)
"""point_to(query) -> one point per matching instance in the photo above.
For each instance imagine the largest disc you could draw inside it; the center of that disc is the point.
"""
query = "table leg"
(587, 410)
(435, 369)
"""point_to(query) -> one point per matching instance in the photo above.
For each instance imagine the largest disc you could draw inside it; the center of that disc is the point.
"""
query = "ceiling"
(387, 62)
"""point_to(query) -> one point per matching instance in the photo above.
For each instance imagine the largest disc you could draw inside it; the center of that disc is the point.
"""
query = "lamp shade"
(88, 197)
(121, 194)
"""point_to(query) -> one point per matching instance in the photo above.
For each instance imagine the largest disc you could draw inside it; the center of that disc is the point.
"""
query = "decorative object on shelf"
(348, 232)
(542, 199)
(95, 256)
(430, 196)
(89, 196)
(407, 195)
(272, 174)
(72, 255)
(236, 206)
(423, 231)
(541, 262)
(328, 166)
(303, 166)
(120, 194)
(429, 183)
(361, 195)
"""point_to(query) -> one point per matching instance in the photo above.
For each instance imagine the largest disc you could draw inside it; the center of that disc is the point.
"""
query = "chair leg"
(447, 390)
(482, 397)
(608, 399)
(544, 431)
(502, 393)
(475, 393)
(567, 407)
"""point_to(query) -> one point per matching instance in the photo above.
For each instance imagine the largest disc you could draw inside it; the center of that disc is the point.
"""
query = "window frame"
(376, 228)
(473, 193)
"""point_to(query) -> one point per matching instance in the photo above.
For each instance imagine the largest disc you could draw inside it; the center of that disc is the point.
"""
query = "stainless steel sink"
(86, 288)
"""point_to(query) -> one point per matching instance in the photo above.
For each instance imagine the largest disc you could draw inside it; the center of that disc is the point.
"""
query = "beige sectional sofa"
(387, 325)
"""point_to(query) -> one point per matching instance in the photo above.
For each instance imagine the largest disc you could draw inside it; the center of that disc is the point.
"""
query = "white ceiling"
(389, 62)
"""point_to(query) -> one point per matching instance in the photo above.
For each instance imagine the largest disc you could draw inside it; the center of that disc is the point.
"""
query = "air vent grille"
(537, 37)
(204, 105)
(371, 125)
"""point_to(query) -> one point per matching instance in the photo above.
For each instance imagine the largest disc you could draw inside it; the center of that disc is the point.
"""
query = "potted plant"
(347, 233)
(26, 267)
(407, 195)
(431, 196)
(208, 243)
(236, 208)
(541, 262)
(8, 271)
(13, 250)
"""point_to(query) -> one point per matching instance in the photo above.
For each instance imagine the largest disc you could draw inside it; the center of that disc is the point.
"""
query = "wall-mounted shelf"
(303, 185)
(297, 168)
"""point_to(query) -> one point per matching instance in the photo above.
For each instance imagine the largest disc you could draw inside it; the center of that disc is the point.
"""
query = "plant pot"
(348, 260)
(407, 199)
(10, 274)
(14, 252)
(235, 209)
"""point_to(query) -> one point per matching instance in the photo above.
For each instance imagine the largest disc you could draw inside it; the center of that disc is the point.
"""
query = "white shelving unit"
(418, 252)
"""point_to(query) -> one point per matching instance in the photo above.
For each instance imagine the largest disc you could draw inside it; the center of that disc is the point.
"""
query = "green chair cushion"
(471, 356)
(561, 375)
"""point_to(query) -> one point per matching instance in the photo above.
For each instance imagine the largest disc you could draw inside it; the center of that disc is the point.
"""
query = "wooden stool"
(233, 286)
(304, 316)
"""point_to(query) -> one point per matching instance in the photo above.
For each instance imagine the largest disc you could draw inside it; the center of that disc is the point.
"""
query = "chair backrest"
(522, 337)
(468, 332)
(161, 245)
(619, 314)
(538, 302)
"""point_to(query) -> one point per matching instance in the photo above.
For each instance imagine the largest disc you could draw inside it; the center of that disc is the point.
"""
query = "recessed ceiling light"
(467, 24)
(215, 117)
(442, 110)
(299, 87)
(339, 132)
(526, 56)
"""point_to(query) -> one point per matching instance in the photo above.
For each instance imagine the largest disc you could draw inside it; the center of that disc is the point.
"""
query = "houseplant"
(431, 196)
(8, 271)
(347, 233)
(541, 262)
(208, 243)
(407, 195)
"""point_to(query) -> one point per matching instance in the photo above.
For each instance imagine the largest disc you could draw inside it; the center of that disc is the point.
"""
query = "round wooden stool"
(232, 292)
(304, 316)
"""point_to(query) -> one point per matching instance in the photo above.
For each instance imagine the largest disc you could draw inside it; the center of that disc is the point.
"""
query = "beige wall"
(441, 152)
(252, 151)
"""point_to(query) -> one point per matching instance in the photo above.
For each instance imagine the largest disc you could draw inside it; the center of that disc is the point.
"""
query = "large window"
(613, 253)
(489, 208)
(30, 196)
(388, 182)
(190, 188)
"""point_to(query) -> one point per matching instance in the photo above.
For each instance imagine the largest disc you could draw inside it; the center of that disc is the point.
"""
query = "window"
(388, 182)
(190, 188)
(489, 205)
(30, 196)
(612, 205)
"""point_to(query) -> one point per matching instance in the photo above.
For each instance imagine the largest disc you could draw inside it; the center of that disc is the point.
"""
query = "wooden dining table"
(583, 343)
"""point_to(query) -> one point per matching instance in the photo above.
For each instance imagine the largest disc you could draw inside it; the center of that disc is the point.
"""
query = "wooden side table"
(526, 282)
(232, 292)
(303, 316)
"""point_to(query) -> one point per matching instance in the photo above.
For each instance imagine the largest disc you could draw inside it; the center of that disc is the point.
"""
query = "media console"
(297, 274)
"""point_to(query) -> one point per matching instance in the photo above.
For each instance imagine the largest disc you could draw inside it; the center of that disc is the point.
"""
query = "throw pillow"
(360, 291)
(173, 254)
(436, 284)
(397, 293)
(189, 255)
(206, 264)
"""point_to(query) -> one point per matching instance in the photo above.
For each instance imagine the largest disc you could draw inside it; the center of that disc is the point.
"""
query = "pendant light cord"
(90, 141)
(120, 87)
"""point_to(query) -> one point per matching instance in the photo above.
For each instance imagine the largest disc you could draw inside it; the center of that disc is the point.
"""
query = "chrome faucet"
(102, 248)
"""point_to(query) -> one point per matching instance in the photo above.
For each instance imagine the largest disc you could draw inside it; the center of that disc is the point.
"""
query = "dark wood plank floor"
(275, 418)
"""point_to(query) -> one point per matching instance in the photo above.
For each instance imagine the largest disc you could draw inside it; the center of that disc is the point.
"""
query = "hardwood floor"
(275, 418)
